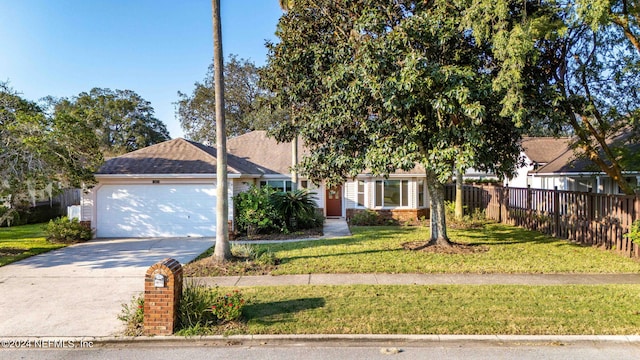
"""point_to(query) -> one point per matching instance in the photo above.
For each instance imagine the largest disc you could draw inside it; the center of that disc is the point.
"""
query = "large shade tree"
(385, 85)
(588, 56)
(244, 103)
(41, 153)
(122, 120)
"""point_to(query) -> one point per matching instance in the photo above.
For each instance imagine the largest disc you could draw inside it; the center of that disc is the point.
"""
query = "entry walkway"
(421, 279)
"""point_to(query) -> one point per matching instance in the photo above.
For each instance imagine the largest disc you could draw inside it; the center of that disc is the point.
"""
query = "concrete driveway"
(78, 290)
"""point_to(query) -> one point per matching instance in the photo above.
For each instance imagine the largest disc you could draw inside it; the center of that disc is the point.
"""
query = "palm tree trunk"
(222, 251)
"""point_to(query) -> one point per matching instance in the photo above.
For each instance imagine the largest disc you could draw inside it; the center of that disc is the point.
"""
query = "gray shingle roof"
(178, 156)
(542, 150)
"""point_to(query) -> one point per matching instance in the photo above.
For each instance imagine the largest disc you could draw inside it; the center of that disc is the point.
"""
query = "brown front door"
(333, 200)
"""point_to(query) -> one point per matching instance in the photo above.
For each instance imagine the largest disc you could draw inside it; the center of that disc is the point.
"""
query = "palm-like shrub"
(297, 207)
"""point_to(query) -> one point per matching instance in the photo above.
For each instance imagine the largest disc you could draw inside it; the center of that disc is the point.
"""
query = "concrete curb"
(334, 339)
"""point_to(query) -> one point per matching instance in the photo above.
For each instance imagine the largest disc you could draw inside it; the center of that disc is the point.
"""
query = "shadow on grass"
(507, 235)
(360, 234)
(269, 313)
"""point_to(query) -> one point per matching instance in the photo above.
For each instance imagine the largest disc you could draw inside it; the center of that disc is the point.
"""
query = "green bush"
(63, 230)
(366, 218)
(228, 307)
(255, 212)
(263, 210)
(195, 306)
(298, 208)
(202, 308)
(133, 316)
(634, 232)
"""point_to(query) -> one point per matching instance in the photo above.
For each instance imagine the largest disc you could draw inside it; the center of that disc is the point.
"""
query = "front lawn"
(19, 242)
(441, 309)
(504, 249)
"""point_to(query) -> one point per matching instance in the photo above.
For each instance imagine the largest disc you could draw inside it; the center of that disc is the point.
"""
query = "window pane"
(405, 193)
(392, 193)
(378, 193)
(420, 192)
(360, 193)
(289, 185)
(304, 184)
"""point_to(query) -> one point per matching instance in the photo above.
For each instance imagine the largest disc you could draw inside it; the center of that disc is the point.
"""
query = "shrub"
(366, 218)
(261, 257)
(202, 307)
(228, 308)
(255, 211)
(634, 232)
(133, 316)
(298, 208)
(475, 219)
(63, 230)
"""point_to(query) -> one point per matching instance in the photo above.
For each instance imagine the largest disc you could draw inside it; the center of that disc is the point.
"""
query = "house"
(169, 189)
(552, 163)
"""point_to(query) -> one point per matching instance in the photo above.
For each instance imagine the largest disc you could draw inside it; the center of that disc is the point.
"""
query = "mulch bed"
(455, 248)
(302, 234)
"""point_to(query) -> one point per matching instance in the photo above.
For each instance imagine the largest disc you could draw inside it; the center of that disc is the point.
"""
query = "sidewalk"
(421, 279)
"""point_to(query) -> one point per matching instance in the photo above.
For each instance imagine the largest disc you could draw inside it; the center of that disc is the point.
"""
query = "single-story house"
(552, 163)
(169, 189)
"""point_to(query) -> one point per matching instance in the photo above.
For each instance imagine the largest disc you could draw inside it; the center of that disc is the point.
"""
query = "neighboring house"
(169, 189)
(552, 163)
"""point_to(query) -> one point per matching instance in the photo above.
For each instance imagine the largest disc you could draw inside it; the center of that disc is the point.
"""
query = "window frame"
(403, 185)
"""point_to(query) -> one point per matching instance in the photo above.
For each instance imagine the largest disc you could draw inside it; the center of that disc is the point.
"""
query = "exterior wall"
(522, 178)
(410, 213)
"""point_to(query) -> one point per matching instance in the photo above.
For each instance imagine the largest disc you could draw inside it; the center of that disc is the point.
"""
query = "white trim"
(163, 176)
(585, 174)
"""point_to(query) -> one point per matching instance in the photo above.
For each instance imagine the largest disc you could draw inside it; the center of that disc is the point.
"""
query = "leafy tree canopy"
(244, 97)
(385, 85)
(587, 55)
(122, 120)
(41, 153)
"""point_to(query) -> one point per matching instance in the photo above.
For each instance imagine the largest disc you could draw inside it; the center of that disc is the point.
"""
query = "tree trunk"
(294, 162)
(459, 206)
(222, 251)
(436, 203)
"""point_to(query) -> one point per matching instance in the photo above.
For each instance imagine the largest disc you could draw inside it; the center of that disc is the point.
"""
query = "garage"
(155, 210)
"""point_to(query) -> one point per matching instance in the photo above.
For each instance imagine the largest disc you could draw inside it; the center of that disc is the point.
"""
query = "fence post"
(556, 211)
(529, 221)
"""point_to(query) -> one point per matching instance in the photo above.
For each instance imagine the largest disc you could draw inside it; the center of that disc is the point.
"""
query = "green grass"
(443, 309)
(19, 242)
(509, 250)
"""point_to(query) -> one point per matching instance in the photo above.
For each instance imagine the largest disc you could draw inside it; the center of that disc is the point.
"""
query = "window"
(421, 193)
(304, 184)
(279, 185)
(392, 193)
(361, 193)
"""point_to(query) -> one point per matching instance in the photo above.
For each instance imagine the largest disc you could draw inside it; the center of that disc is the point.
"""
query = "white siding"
(351, 194)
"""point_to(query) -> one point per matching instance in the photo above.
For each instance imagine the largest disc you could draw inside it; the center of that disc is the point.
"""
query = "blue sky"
(153, 47)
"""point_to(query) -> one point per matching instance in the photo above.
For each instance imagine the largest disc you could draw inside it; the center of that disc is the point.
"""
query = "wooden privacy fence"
(584, 217)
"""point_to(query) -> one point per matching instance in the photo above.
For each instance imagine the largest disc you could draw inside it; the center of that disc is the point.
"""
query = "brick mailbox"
(162, 291)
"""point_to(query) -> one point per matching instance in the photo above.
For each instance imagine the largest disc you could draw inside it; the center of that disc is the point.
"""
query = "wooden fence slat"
(584, 217)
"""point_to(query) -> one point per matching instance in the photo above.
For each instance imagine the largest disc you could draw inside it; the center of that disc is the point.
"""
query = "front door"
(334, 201)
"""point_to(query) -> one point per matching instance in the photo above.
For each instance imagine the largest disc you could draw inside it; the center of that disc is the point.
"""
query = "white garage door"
(156, 210)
